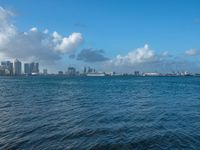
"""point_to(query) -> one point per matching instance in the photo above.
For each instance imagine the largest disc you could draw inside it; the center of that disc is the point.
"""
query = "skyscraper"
(30, 68)
(17, 67)
(85, 70)
(71, 71)
(45, 71)
(34, 67)
(27, 69)
(8, 67)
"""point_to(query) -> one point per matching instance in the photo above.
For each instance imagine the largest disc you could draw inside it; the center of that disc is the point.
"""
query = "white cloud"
(56, 37)
(34, 44)
(7, 30)
(46, 31)
(34, 29)
(67, 44)
(4, 14)
(192, 52)
(138, 56)
(165, 53)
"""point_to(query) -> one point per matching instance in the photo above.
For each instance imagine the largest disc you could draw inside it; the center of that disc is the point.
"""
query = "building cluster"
(87, 71)
(182, 73)
(71, 71)
(8, 68)
(92, 72)
(15, 68)
(31, 68)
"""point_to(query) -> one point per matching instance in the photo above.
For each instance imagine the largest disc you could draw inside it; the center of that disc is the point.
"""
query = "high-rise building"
(17, 67)
(27, 69)
(60, 72)
(45, 71)
(8, 67)
(90, 70)
(31, 68)
(71, 71)
(85, 70)
(35, 67)
(2, 71)
(136, 73)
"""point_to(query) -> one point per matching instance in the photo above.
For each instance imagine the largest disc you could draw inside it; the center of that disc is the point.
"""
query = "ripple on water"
(99, 113)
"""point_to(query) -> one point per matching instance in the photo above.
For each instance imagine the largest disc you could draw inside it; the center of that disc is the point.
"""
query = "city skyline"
(127, 36)
(18, 68)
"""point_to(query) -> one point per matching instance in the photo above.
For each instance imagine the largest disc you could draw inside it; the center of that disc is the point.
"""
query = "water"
(99, 113)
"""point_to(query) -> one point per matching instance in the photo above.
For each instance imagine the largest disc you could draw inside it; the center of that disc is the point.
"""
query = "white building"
(151, 74)
(17, 67)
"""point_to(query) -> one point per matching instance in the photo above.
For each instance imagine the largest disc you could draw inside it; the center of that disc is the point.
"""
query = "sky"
(109, 35)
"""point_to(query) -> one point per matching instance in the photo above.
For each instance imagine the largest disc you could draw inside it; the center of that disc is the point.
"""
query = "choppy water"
(99, 113)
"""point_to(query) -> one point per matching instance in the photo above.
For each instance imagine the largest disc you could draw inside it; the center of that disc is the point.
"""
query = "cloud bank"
(90, 55)
(192, 52)
(138, 56)
(34, 44)
(147, 60)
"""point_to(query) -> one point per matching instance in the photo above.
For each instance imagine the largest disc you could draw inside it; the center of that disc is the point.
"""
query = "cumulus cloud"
(34, 29)
(138, 56)
(67, 44)
(90, 55)
(192, 52)
(46, 31)
(7, 30)
(165, 53)
(34, 44)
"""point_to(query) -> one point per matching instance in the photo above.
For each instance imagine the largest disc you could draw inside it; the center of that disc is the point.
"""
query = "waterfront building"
(27, 69)
(34, 67)
(17, 67)
(90, 70)
(2, 71)
(31, 68)
(85, 70)
(71, 71)
(45, 72)
(136, 73)
(96, 74)
(109, 73)
(151, 74)
(60, 72)
(7, 66)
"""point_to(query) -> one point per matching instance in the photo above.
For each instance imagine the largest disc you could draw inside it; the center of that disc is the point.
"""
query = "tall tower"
(34, 67)
(7, 65)
(85, 70)
(17, 67)
(27, 69)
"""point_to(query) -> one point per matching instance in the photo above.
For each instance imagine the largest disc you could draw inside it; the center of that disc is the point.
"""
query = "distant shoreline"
(54, 75)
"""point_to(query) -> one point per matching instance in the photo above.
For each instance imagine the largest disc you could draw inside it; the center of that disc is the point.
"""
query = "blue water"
(99, 113)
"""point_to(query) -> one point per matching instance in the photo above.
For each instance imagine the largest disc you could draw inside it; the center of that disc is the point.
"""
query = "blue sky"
(117, 27)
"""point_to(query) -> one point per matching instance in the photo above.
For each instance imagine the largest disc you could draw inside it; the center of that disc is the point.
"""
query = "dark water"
(99, 113)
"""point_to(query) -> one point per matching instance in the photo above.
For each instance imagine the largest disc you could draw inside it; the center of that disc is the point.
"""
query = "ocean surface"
(84, 113)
